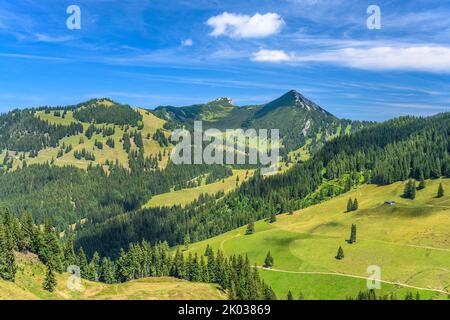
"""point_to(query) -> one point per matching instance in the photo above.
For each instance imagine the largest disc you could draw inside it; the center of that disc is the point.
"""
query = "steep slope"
(301, 122)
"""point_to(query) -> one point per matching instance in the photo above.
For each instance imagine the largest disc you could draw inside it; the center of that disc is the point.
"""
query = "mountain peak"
(293, 98)
(221, 102)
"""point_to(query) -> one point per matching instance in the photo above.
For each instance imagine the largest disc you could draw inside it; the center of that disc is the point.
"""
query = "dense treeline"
(141, 260)
(95, 111)
(21, 130)
(388, 152)
(68, 194)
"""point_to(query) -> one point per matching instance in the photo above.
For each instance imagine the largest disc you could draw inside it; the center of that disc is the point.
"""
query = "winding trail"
(414, 246)
(355, 277)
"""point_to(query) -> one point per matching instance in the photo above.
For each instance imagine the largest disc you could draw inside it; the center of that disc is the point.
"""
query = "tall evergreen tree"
(440, 192)
(83, 264)
(352, 234)
(8, 267)
(273, 217)
(289, 295)
(355, 205)
(250, 228)
(349, 205)
(422, 184)
(107, 271)
(268, 262)
(340, 253)
(50, 280)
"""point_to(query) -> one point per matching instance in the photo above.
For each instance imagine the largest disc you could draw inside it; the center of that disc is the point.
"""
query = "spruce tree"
(352, 234)
(8, 267)
(268, 262)
(186, 241)
(289, 295)
(440, 192)
(273, 218)
(70, 257)
(413, 190)
(107, 271)
(355, 205)
(349, 205)
(301, 296)
(83, 264)
(422, 184)
(340, 253)
(50, 280)
(250, 228)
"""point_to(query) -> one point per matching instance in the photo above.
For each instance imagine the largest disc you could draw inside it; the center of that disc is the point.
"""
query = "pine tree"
(107, 271)
(70, 257)
(355, 205)
(93, 268)
(27, 232)
(268, 262)
(50, 280)
(352, 234)
(8, 267)
(289, 295)
(301, 296)
(422, 184)
(51, 253)
(273, 218)
(186, 241)
(82, 262)
(440, 192)
(413, 190)
(340, 254)
(410, 190)
(250, 228)
(349, 205)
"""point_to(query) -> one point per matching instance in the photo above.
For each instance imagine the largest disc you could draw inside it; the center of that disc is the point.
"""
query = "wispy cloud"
(275, 56)
(244, 26)
(417, 58)
(50, 38)
(32, 57)
(187, 42)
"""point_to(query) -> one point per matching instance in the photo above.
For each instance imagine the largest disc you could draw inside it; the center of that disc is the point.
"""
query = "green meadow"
(409, 241)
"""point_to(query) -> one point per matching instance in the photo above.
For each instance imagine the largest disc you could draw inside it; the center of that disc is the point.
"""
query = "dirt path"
(353, 276)
(225, 240)
(415, 246)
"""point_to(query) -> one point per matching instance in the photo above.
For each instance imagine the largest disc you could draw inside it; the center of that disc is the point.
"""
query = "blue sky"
(180, 52)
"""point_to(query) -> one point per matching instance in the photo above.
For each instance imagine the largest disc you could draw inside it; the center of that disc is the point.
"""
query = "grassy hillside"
(28, 286)
(186, 196)
(409, 241)
(151, 147)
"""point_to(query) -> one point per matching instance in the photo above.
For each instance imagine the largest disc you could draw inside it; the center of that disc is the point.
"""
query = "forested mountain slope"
(396, 150)
(300, 121)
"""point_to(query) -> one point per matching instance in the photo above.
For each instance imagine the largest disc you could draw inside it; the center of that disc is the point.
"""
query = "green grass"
(410, 242)
(31, 274)
(186, 196)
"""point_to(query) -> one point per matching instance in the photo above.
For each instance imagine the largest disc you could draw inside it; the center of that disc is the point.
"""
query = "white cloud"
(275, 56)
(411, 58)
(187, 42)
(48, 38)
(244, 26)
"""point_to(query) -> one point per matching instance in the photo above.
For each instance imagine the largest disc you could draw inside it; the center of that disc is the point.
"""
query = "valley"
(94, 183)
